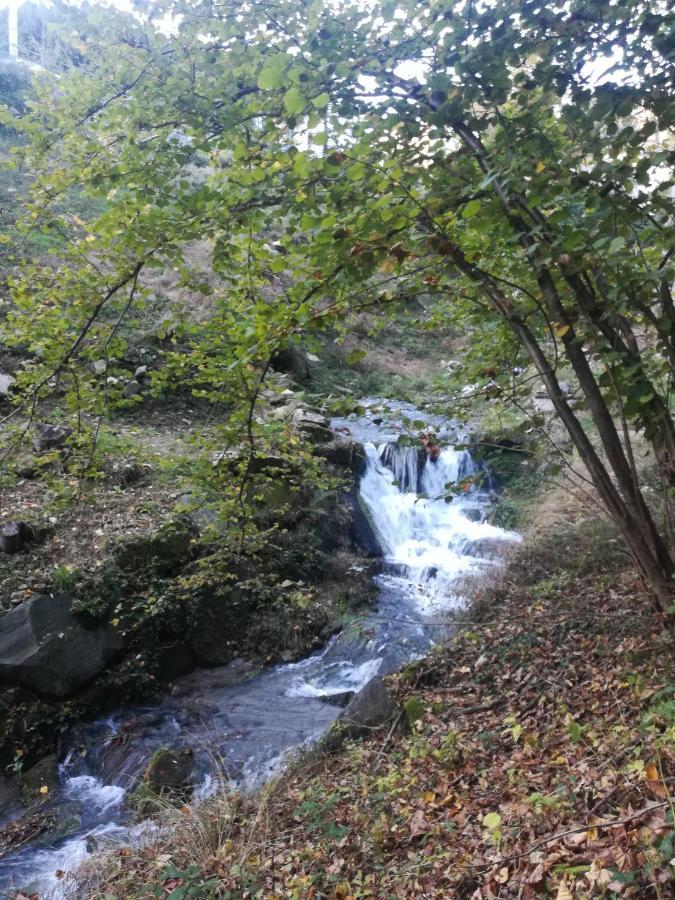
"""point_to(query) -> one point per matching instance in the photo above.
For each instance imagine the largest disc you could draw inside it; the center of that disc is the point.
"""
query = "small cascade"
(406, 463)
(427, 539)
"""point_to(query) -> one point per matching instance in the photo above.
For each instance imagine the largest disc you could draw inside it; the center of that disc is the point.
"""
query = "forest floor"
(534, 757)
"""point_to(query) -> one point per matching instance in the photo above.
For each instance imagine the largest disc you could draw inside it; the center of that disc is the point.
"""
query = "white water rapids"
(427, 545)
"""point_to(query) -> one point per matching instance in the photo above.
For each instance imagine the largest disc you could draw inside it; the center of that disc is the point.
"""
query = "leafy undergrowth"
(537, 762)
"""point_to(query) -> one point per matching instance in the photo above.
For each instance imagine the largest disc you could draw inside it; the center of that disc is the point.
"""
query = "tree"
(477, 156)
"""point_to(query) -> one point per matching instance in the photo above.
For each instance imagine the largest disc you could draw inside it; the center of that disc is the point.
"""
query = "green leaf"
(492, 821)
(321, 102)
(574, 729)
(471, 208)
(617, 244)
(294, 102)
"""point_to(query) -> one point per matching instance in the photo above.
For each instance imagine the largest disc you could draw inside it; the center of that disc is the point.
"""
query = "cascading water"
(427, 538)
(250, 725)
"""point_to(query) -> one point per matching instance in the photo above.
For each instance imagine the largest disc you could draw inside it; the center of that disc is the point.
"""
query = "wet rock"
(132, 389)
(51, 437)
(43, 646)
(344, 452)
(168, 776)
(371, 708)
(169, 770)
(486, 548)
(341, 699)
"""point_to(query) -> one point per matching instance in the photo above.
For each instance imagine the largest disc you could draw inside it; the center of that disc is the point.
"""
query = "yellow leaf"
(428, 796)
(503, 875)
(44, 789)
(561, 330)
(654, 781)
(539, 168)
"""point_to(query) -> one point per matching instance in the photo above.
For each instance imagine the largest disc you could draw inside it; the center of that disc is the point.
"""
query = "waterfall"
(426, 540)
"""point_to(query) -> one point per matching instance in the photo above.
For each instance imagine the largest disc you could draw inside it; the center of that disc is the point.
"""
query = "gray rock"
(140, 373)
(312, 425)
(99, 366)
(51, 437)
(371, 708)
(132, 389)
(344, 452)
(6, 382)
(43, 647)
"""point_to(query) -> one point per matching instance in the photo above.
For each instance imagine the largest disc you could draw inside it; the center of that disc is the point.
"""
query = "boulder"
(45, 648)
(371, 708)
(344, 452)
(51, 437)
(41, 780)
(140, 373)
(132, 389)
(293, 362)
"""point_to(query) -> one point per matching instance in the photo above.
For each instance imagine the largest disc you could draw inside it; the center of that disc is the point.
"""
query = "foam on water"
(338, 678)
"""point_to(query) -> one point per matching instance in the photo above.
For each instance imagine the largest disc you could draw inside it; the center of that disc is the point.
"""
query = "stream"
(241, 726)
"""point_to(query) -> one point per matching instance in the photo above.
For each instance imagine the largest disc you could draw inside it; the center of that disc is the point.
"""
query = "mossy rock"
(414, 710)
(44, 774)
(168, 777)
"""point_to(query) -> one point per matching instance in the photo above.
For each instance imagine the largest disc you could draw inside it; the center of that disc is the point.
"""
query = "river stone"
(371, 708)
(43, 647)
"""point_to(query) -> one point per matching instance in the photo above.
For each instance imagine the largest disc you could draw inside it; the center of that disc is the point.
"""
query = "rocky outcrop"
(311, 426)
(344, 452)
(371, 708)
(45, 648)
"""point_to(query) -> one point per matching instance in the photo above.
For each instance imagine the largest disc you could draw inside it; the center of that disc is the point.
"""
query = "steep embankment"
(533, 757)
